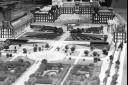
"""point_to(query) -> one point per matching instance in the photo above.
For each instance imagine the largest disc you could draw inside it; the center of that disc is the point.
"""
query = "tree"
(107, 72)
(24, 50)
(47, 46)
(66, 47)
(79, 31)
(95, 60)
(91, 48)
(111, 57)
(101, 29)
(99, 59)
(73, 49)
(58, 48)
(7, 55)
(20, 45)
(82, 29)
(105, 52)
(60, 30)
(118, 62)
(15, 49)
(121, 46)
(36, 45)
(10, 55)
(95, 53)
(35, 49)
(86, 52)
(70, 58)
(83, 59)
(44, 61)
(115, 77)
(39, 48)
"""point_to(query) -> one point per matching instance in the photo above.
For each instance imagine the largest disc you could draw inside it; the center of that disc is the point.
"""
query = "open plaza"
(79, 42)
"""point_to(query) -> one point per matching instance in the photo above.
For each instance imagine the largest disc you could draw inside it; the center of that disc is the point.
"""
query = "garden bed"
(12, 70)
(40, 36)
(85, 37)
(50, 73)
(84, 75)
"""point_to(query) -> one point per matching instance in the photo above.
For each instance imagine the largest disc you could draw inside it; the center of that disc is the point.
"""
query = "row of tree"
(37, 48)
(117, 66)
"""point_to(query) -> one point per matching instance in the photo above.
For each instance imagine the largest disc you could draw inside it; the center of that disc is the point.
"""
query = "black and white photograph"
(63, 42)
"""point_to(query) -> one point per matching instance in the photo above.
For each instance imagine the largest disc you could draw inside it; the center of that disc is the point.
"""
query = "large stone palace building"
(49, 14)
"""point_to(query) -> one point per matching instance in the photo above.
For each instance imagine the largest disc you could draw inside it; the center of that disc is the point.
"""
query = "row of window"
(44, 15)
(78, 0)
(9, 33)
(119, 37)
(6, 33)
(44, 20)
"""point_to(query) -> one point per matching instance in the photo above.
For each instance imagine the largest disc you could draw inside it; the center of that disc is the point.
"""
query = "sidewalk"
(122, 80)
